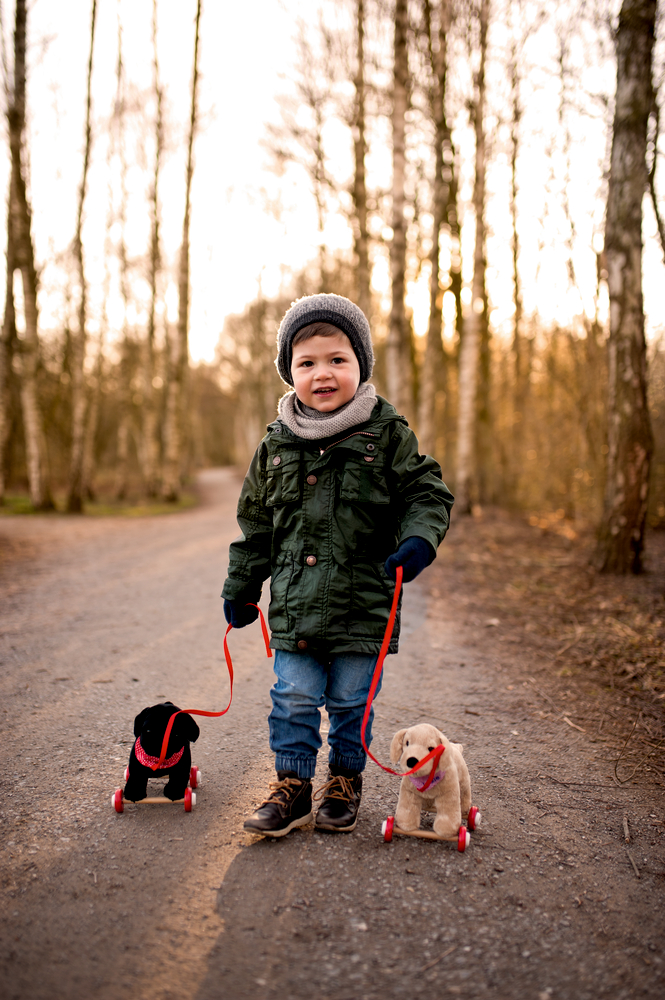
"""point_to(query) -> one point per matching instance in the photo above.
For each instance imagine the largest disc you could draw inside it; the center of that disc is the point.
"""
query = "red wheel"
(387, 829)
(126, 774)
(194, 777)
(473, 821)
(190, 799)
(463, 839)
(116, 801)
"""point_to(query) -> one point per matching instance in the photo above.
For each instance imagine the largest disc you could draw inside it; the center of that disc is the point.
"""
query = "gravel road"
(101, 617)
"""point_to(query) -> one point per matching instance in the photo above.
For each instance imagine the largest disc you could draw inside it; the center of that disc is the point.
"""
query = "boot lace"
(338, 787)
(282, 791)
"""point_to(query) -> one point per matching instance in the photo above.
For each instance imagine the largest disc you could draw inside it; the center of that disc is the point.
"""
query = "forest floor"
(551, 677)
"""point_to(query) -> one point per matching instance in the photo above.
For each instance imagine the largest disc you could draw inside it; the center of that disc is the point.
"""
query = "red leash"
(435, 754)
(212, 715)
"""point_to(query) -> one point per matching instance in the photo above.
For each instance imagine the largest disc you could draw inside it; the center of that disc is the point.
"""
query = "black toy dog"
(149, 728)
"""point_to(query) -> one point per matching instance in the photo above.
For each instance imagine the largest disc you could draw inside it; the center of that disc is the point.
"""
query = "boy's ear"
(396, 745)
(139, 720)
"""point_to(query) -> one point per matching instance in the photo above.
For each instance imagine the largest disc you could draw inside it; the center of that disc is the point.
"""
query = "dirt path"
(103, 617)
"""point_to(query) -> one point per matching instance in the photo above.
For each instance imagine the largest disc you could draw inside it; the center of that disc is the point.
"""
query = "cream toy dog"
(449, 794)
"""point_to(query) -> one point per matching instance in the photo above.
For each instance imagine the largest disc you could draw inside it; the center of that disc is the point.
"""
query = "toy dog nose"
(411, 761)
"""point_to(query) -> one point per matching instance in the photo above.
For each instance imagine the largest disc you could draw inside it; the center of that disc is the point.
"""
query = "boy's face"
(325, 372)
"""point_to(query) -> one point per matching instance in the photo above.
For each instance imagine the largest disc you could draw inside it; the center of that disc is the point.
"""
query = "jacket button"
(370, 447)
(302, 644)
(276, 460)
(311, 560)
(368, 458)
(311, 480)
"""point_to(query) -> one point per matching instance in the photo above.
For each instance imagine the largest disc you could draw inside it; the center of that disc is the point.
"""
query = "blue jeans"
(305, 683)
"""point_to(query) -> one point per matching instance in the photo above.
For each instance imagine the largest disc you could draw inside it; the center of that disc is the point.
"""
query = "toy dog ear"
(139, 720)
(189, 728)
(396, 745)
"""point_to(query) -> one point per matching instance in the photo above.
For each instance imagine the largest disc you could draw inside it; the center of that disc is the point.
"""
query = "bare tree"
(7, 346)
(361, 234)
(398, 364)
(473, 332)
(434, 373)
(79, 393)
(21, 258)
(175, 399)
(149, 450)
(299, 138)
(125, 420)
(124, 433)
(630, 440)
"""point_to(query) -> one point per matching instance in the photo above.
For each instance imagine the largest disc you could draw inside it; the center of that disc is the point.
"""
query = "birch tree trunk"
(125, 416)
(7, 342)
(520, 372)
(630, 441)
(434, 374)
(79, 394)
(175, 399)
(149, 449)
(398, 363)
(361, 235)
(22, 258)
(469, 352)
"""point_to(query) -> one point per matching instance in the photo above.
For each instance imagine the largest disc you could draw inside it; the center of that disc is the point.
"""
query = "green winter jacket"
(321, 518)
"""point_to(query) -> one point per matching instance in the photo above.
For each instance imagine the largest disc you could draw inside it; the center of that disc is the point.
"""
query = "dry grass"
(593, 644)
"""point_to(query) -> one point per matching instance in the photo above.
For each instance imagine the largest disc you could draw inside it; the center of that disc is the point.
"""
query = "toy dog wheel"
(463, 839)
(126, 774)
(195, 778)
(387, 829)
(116, 801)
(190, 800)
(474, 819)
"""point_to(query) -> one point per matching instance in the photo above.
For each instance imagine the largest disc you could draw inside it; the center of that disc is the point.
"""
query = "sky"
(249, 227)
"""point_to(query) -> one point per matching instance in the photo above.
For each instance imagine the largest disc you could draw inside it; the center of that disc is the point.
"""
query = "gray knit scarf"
(313, 425)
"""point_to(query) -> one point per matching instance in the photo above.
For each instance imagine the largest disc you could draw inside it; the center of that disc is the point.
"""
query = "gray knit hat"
(325, 308)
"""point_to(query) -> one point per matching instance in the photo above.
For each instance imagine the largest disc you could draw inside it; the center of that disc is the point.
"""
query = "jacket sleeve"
(249, 554)
(424, 501)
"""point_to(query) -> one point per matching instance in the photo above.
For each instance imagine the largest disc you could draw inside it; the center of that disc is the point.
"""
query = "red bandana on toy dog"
(148, 761)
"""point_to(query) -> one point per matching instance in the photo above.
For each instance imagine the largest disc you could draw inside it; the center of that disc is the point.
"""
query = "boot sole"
(336, 829)
(301, 821)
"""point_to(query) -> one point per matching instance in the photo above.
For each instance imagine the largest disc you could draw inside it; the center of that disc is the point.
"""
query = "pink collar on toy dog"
(148, 761)
(421, 782)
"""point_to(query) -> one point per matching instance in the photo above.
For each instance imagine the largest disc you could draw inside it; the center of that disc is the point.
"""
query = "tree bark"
(174, 425)
(434, 373)
(150, 449)
(398, 363)
(630, 440)
(466, 478)
(361, 235)
(22, 258)
(79, 394)
(124, 391)
(7, 343)
(520, 373)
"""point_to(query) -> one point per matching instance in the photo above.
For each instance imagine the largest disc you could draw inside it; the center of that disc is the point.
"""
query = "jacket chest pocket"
(364, 482)
(283, 479)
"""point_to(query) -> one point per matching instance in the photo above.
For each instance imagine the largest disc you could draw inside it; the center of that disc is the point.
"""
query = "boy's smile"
(325, 372)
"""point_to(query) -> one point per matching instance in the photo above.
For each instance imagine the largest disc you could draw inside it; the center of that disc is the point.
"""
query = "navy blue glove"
(413, 556)
(240, 612)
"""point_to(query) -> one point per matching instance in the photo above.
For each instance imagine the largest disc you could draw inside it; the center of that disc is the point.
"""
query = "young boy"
(336, 497)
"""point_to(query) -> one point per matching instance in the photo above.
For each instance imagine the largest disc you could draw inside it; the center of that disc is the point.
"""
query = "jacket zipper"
(322, 451)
